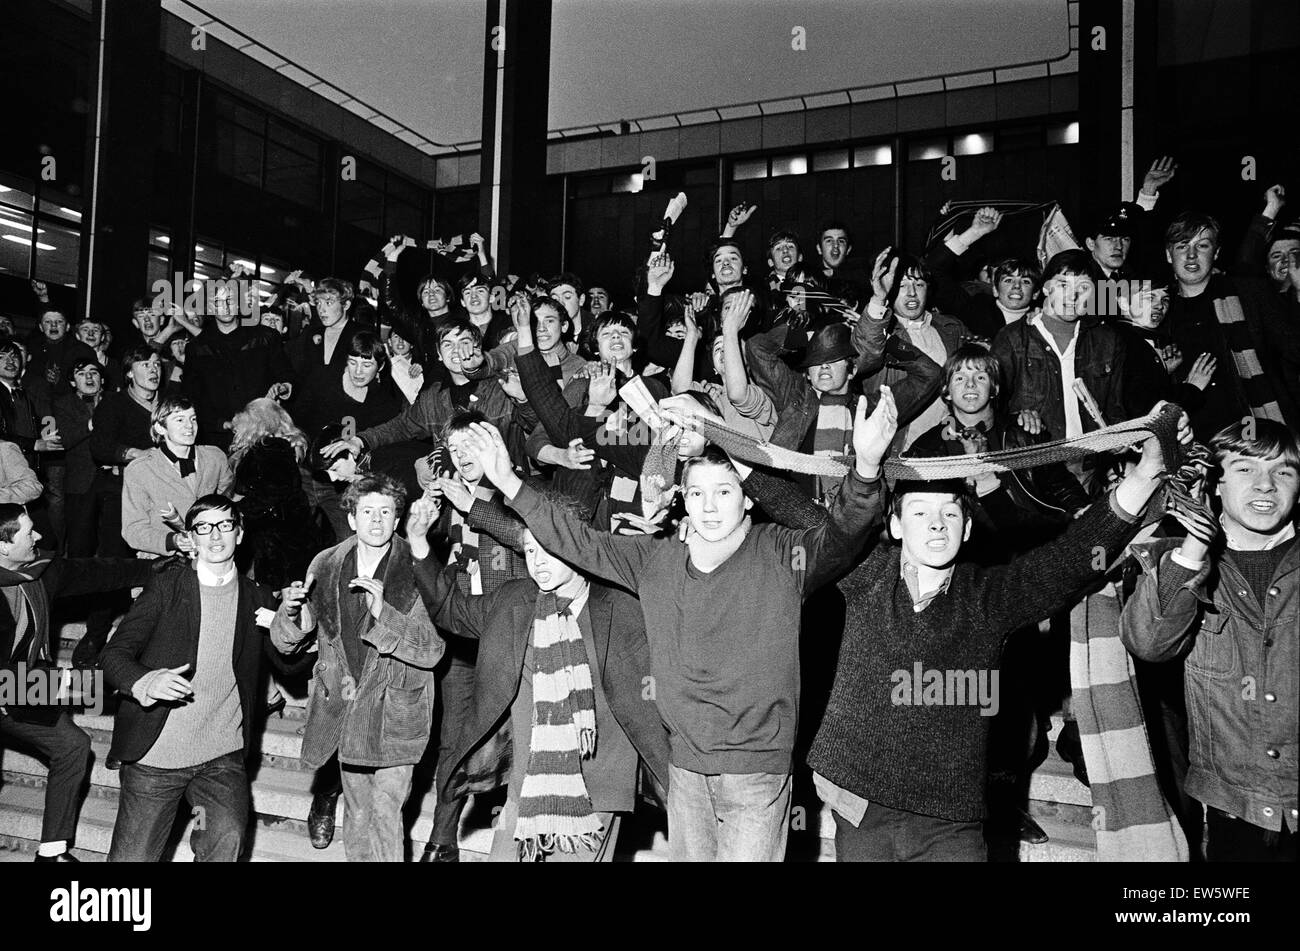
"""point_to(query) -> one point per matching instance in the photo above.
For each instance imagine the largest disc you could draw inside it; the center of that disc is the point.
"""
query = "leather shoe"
(1031, 831)
(61, 857)
(1070, 749)
(440, 853)
(320, 820)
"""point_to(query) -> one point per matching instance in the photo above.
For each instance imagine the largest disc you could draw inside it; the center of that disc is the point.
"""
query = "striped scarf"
(833, 436)
(555, 812)
(464, 546)
(1256, 387)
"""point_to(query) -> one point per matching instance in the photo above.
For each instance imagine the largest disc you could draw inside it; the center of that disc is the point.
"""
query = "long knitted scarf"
(555, 812)
(1256, 387)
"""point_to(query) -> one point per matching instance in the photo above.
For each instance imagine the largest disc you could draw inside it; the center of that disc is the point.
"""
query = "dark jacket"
(312, 377)
(120, 423)
(978, 312)
(1241, 675)
(49, 577)
(73, 415)
(162, 630)
(1031, 373)
(380, 715)
(619, 656)
(279, 536)
(224, 372)
(1146, 381)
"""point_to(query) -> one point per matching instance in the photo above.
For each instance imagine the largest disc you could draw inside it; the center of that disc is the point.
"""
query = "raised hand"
(659, 271)
(700, 300)
(577, 455)
(351, 444)
(882, 278)
(423, 513)
(521, 316)
(873, 434)
(1153, 464)
(293, 600)
(1160, 172)
(513, 387)
(693, 332)
(602, 386)
(456, 492)
(986, 221)
(486, 447)
(736, 308)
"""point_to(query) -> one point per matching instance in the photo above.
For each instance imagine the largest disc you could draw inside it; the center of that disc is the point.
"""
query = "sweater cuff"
(1173, 576)
(1120, 512)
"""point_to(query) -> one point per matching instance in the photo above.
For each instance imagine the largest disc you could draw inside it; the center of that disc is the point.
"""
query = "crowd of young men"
(544, 576)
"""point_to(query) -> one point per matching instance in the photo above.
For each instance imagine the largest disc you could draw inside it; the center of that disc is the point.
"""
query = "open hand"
(873, 434)
(374, 591)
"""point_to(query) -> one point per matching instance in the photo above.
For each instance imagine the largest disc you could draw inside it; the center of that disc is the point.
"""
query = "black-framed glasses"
(205, 528)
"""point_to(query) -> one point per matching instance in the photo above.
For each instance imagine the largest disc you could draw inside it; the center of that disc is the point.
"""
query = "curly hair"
(263, 419)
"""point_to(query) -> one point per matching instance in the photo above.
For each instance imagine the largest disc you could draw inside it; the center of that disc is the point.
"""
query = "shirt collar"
(208, 576)
(1280, 538)
(911, 576)
(921, 323)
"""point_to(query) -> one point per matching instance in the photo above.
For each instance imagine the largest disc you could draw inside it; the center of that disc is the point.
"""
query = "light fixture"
(24, 241)
(70, 211)
(163, 239)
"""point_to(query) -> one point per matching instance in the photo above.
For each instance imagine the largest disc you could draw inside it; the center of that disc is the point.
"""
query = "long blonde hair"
(261, 419)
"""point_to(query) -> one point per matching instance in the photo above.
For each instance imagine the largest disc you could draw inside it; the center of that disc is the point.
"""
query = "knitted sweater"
(931, 758)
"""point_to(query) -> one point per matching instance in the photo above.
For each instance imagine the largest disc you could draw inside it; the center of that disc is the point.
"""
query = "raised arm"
(684, 370)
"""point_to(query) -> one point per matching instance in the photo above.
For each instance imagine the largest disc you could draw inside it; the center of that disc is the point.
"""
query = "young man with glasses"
(188, 656)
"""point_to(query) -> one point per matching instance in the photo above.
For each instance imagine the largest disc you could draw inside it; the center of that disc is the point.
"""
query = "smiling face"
(568, 295)
(1014, 290)
(54, 325)
(146, 375)
(217, 547)
(467, 466)
(180, 428)
(88, 381)
(1258, 495)
(614, 343)
(932, 527)
(449, 349)
(830, 377)
(433, 297)
(1068, 296)
(91, 333)
(1110, 250)
(715, 503)
(11, 365)
(476, 300)
(912, 293)
(22, 548)
(375, 519)
(728, 266)
(550, 327)
(834, 247)
(970, 389)
(1193, 258)
(547, 571)
(1280, 257)
(362, 370)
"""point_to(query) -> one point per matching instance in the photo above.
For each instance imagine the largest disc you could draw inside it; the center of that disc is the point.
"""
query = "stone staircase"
(282, 798)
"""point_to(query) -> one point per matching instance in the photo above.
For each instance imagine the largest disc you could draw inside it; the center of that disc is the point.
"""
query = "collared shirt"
(911, 576)
(1073, 419)
(923, 335)
(369, 559)
(208, 575)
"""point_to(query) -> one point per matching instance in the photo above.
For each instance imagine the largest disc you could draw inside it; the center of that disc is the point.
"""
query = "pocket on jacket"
(1215, 651)
(408, 712)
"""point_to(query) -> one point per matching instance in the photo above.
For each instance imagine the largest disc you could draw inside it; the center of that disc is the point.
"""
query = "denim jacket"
(1242, 667)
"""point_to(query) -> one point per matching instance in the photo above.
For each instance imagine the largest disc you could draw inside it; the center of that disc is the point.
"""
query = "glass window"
(873, 155)
(15, 191)
(361, 206)
(1026, 137)
(159, 268)
(58, 253)
(293, 175)
(747, 169)
(159, 238)
(232, 110)
(972, 144)
(402, 218)
(209, 252)
(831, 161)
(927, 149)
(790, 165)
(15, 240)
(58, 210)
(1067, 134)
(623, 184)
(238, 153)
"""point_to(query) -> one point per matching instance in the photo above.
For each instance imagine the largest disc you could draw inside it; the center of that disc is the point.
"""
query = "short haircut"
(721, 243)
(139, 353)
(783, 234)
(705, 400)
(614, 318)
(446, 288)
(166, 406)
(545, 300)
(835, 225)
(905, 487)
(338, 286)
(13, 346)
(1022, 267)
(46, 311)
(1272, 440)
(367, 345)
(1188, 224)
(213, 502)
(712, 456)
(141, 303)
(909, 265)
(569, 278)
(461, 422)
(10, 515)
(377, 483)
(457, 325)
(974, 355)
(1075, 262)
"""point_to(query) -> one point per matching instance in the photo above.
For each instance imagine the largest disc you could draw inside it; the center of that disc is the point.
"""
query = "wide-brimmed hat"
(828, 345)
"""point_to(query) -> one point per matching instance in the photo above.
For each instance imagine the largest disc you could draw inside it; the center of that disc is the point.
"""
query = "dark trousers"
(66, 749)
(1236, 840)
(893, 835)
(455, 699)
(217, 791)
(95, 528)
